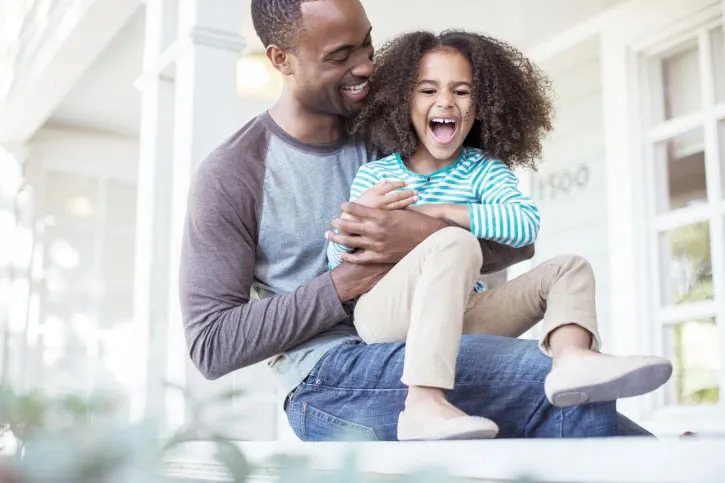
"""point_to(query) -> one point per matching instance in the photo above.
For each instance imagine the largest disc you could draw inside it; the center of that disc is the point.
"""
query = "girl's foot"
(580, 376)
(429, 416)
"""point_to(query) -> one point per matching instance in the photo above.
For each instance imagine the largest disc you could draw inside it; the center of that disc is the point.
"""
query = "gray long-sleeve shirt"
(258, 208)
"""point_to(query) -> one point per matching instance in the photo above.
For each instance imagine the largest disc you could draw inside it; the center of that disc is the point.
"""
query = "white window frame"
(633, 241)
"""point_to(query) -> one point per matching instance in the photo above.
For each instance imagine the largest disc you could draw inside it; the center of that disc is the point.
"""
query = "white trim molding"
(581, 32)
(39, 88)
(218, 39)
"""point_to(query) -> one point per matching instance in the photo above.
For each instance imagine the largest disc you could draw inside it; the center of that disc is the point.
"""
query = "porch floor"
(698, 459)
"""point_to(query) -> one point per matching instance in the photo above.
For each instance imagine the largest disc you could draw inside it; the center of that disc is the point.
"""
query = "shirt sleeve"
(225, 330)
(365, 179)
(504, 214)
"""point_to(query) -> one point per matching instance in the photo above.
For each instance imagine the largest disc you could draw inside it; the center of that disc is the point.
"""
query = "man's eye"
(340, 60)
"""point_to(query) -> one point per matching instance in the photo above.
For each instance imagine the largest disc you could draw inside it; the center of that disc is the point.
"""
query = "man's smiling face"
(332, 61)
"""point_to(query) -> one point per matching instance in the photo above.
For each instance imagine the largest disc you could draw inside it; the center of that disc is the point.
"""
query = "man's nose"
(364, 69)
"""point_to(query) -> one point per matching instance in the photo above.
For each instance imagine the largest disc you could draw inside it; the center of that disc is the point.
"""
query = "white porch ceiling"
(521, 22)
(105, 99)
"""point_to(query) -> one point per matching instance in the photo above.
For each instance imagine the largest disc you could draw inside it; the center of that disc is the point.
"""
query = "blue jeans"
(354, 392)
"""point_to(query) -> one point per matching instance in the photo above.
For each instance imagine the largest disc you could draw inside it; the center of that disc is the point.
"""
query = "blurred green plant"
(73, 439)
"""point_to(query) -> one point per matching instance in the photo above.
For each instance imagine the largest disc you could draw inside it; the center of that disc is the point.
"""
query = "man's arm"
(224, 330)
(384, 236)
(497, 257)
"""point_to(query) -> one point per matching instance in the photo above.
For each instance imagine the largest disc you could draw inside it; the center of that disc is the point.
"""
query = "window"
(84, 329)
(685, 150)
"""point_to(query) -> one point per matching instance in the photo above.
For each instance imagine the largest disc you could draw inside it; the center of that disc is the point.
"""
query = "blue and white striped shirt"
(497, 210)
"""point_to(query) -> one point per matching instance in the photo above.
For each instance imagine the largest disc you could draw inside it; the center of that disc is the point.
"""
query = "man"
(258, 212)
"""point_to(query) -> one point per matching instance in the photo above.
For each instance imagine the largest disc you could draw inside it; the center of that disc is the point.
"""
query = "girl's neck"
(422, 162)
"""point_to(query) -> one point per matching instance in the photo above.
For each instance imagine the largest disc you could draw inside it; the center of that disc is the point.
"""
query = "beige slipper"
(464, 427)
(597, 377)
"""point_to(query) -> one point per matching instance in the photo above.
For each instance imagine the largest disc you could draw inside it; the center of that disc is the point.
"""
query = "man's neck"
(304, 125)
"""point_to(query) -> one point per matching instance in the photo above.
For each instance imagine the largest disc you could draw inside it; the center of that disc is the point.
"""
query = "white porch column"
(15, 252)
(152, 282)
(627, 309)
(207, 111)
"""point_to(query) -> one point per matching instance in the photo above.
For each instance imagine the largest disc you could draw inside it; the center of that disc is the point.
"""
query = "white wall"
(575, 220)
(86, 151)
(525, 23)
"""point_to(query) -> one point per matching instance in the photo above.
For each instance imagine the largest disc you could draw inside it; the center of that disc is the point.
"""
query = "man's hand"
(352, 280)
(381, 236)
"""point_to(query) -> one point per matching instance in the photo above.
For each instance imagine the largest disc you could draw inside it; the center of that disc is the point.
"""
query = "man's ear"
(279, 59)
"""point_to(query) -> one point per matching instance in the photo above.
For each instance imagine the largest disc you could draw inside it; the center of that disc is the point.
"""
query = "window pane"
(69, 196)
(721, 135)
(686, 269)
(68, 258)
(68, 338)
(116, 308)
(118, 258)
(676, 82)
(717, 42)
(693, 348)
(680, 171)
(121, 204)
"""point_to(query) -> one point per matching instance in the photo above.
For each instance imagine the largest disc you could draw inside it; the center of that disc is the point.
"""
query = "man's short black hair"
(277, 21)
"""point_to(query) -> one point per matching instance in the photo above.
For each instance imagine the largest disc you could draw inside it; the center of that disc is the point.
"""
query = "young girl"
(458, 111)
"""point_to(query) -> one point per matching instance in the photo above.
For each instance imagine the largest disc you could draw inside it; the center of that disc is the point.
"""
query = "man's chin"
(351, 109)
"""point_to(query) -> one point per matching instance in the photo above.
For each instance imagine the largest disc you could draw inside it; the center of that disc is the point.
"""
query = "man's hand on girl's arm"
(386, 236)
(381, 235)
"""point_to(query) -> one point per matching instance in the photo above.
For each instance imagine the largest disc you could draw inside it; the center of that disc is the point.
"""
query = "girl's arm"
(503, 215)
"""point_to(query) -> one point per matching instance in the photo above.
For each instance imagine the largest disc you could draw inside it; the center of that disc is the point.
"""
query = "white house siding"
(570, 185)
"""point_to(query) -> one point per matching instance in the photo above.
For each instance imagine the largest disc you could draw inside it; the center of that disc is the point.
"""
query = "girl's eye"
(427, 91)
(462, 93)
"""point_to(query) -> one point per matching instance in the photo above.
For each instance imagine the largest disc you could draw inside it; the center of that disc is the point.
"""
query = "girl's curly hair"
(512, 97)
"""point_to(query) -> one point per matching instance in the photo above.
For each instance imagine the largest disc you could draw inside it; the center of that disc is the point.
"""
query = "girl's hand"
(383, 196)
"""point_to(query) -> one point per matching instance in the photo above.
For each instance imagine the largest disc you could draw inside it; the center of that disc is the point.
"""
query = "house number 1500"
(560, 183)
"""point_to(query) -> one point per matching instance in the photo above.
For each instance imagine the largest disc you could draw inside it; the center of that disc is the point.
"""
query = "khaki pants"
(427, 299)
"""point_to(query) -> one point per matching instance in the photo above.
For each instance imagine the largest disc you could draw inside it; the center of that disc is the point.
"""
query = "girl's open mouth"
(442, 129)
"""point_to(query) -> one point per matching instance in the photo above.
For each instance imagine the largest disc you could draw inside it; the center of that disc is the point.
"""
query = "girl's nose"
(444, 99)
